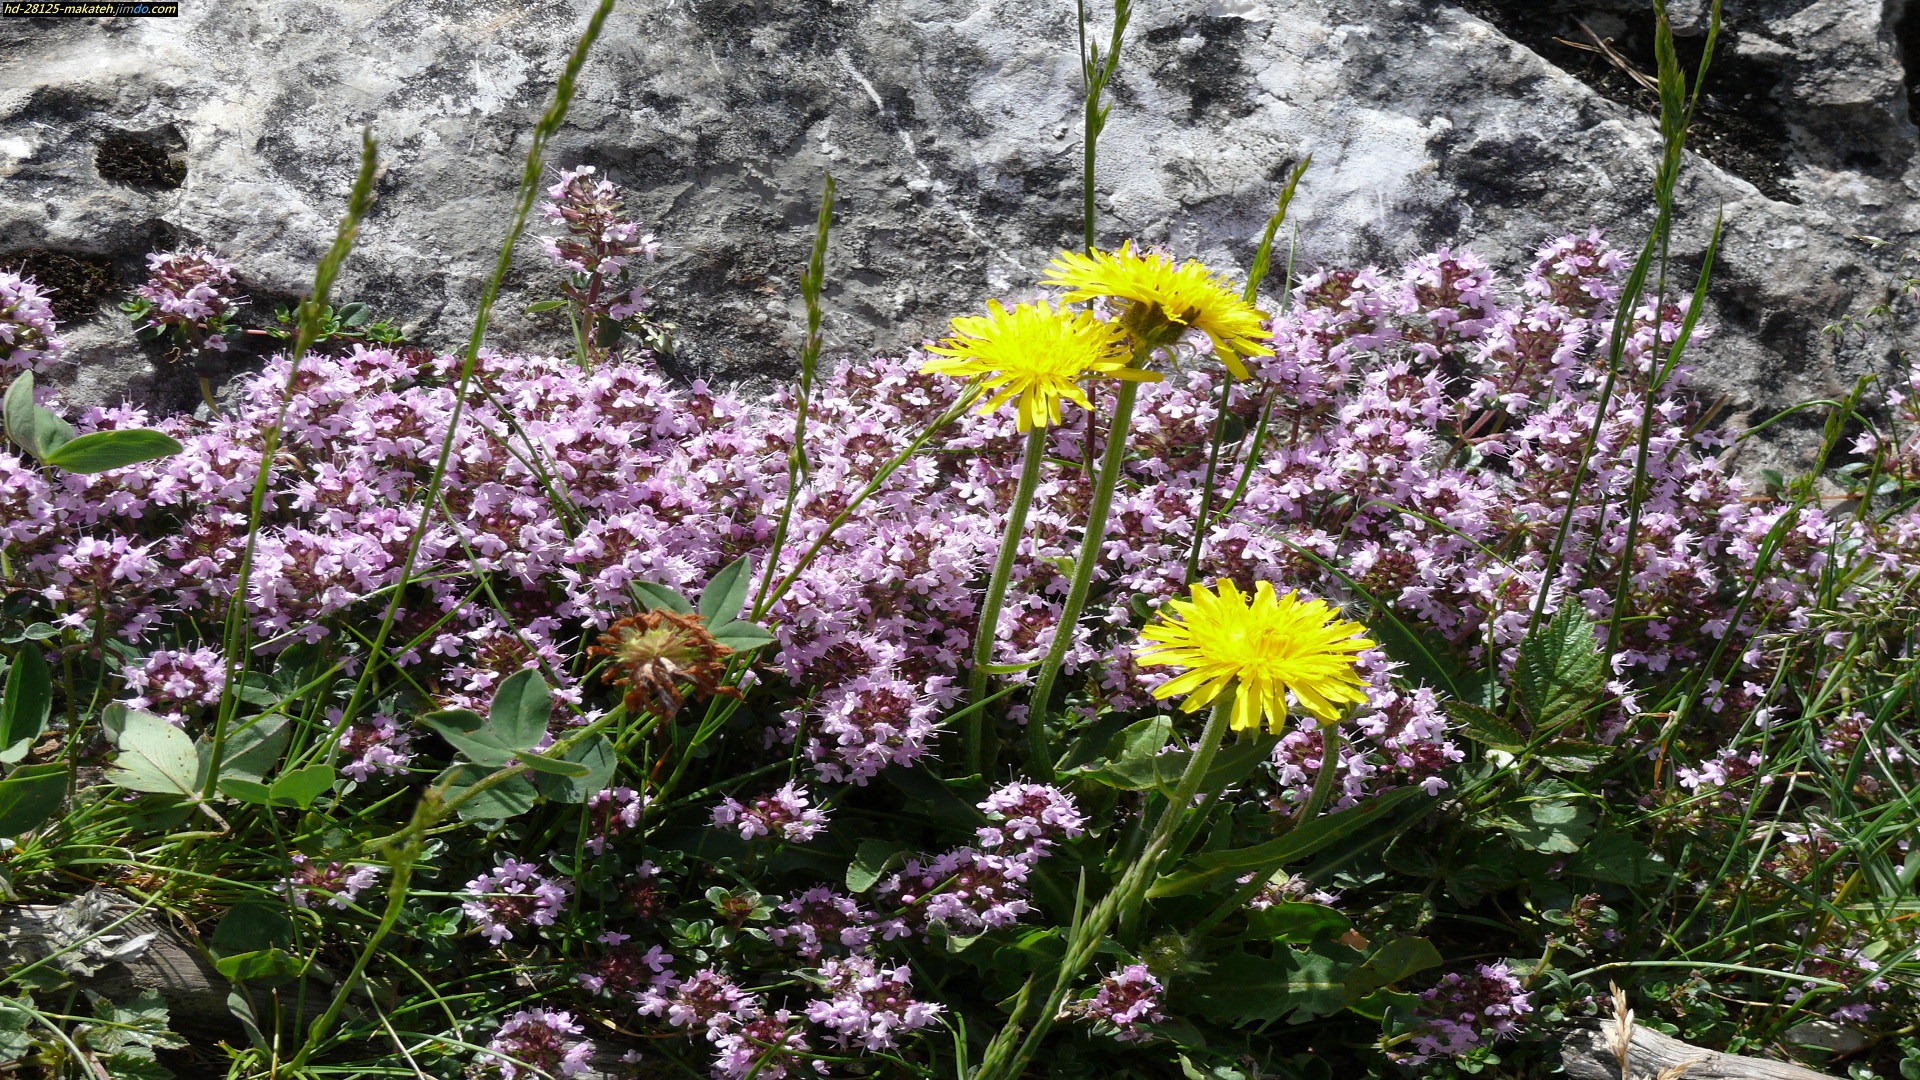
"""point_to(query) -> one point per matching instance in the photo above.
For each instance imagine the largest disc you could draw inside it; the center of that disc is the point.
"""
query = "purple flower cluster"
(1126, 999)
(1030, 815)
(193, 293)
(785, 814)
(612, 813)
(339, 885)
(533, 1043)
(174, 680)
(598, 246)
(27, 338)
(514, 895)
(821, 918)
(869, 1003)
(1465, 1011)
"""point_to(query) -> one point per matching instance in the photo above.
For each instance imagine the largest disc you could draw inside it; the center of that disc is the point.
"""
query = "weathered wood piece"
(1587, 1057)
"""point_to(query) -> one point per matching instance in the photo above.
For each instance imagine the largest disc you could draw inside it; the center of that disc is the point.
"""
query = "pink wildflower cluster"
(1466, 1011)
(533, 1043)
(820, 918)
(784, 814)
(1126, 999)
(514, 895)
(868, 1003)
(337, 884)
(194, 293)
(173, 680)
(612, 813)
(598, 245)
(27, 338)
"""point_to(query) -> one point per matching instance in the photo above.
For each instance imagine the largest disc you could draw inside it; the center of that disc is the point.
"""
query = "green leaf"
(355, 314)
(254, 746)
(1297, 922)
(521, 708)
(1211, 868)
(265, 964)
(257, 689)
(1245, 988)
(546, 305)
(657, 597)
(1550, 827)
(134, 1065)
(31, 795)
(606, 332)
(133, 1030)
(102, 450)
(16, 1028)
(245, 790)
(1574, 755)
(1560, 670)
(301, 786)
(252, 926)
(508, 799)
(38, 431)
(726, 593)
(551, 766)
(471, 735)
(242, 1011)
(741, 635)
(155, 757)
(1391, 962)
(872, 859)
(1620, 858)
(598, 758)
(1132, 761)
(28, 700)
(1485, 727)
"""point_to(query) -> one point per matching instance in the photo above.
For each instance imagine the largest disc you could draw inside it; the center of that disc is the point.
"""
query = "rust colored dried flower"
(655, 652)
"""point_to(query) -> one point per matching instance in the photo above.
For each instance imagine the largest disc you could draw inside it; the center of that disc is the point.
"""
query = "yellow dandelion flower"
(1268, 647)
(1035, 357)
(1189, 295)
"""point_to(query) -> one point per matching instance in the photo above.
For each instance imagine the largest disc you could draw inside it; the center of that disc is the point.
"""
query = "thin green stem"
(984, 633)
(1112, 463)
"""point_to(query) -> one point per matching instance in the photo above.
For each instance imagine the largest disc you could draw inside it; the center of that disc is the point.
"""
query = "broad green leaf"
(1553, 828)
(1485, 727)
(30, 796)
(508, 799)
(1620, 858)
(252, 926)
(1391, 962)
(599, 759)
(245, 790)
(1132, 761)
(28, 700)
(1560, 670)
(258, 689)
(155, 757)
(16, 1028)
(726, 593)
(872, 859)
(659, 596)
(254, 746)
(264, 964)
(1246, 988)
(100, 451)
(300, 787)
(1211, 868)
(1574, 755)
(521, 707)
(1297, 922)
(471, 735)
(550, 766)
(741, 635)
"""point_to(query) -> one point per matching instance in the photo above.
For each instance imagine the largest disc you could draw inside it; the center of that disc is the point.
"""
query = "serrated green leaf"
(16, 1028)
(100, 451)
(1132, 761)
(521, 708)
(726, 592)
(657, 597)
(1574, 755)
(27, 703)
(300, 787)
(155, 757)
(1560, 671)
(31, 795)
(599, 760)
(1389, 963)
(1246, 988)
(1485, 727)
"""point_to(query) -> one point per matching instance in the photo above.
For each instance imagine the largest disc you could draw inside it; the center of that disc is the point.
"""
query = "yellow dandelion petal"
(1034, 356)
(1265, 647)
(1188, 294)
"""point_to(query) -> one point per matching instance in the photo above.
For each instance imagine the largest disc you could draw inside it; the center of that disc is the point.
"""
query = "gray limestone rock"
(953, 130)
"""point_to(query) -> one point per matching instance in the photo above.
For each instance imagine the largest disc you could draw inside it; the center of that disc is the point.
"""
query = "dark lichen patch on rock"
(1741, 125)
(77, 284)
(150, 161)
(1202, 55)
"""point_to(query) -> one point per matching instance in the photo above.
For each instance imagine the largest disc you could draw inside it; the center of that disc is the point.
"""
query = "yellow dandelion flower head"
(1267, 647)
(1188, 294)
(1034, 356)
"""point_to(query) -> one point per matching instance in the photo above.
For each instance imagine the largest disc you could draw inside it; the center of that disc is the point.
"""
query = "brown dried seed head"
(655, 653)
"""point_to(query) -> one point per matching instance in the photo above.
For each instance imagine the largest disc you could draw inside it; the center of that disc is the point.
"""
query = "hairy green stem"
(983, 635)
